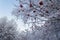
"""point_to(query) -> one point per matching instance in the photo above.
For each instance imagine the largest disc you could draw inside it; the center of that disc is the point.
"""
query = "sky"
(6, 8)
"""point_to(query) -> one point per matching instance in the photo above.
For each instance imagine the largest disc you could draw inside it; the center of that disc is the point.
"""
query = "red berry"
(21, 6)
(34, 11)
(28, 15)
(31, 5)
(46, 11)
(40, 3)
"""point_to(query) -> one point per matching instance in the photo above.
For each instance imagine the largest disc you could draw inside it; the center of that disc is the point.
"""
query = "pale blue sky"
(6, 7)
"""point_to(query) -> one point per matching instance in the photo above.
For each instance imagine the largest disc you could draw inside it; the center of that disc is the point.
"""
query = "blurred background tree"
(8, 29)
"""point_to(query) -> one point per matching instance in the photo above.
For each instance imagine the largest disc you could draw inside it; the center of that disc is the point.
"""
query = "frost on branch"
(37, 11)
(49, 31)
(31, 9)
(52, 31)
